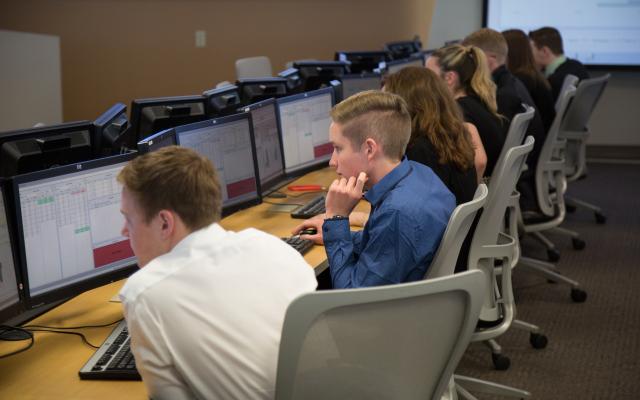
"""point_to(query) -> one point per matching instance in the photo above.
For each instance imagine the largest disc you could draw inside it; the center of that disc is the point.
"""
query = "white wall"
(30, 83)
(454, 19)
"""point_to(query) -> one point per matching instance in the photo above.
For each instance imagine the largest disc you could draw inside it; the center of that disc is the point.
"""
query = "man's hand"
(314, 222)
(343, 195)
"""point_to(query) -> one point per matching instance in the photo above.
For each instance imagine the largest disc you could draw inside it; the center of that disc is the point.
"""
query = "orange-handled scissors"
(304, 188)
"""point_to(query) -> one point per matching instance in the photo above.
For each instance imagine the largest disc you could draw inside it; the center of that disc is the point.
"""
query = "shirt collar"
(212, 231)
(380, 189)
(553, 65)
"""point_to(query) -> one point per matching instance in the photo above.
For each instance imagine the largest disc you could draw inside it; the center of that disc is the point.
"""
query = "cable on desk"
(72, 327)
(7, 328)
(82, 336)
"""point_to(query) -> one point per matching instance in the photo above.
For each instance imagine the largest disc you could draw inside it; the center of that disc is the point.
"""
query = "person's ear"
(167, 223)
(370, 148)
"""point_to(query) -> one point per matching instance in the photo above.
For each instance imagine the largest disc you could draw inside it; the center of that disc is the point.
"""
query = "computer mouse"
(308, 231)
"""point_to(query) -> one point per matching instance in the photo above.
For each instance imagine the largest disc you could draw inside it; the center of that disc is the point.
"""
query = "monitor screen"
(304, 125)
(362, 61)
(356, 83)
(595, 32)
(149, 116)
(318, 74)
(9, 293)
(222, 101)
(157, 141)
(112, 132)
(227, 143)
(392, 67)
(268, 145)
(70, 229)
(35, 149)
(253, 90)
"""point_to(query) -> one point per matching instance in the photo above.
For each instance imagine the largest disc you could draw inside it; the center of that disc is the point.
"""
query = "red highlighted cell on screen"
(322, 150)
(239, 188)
(112, 253)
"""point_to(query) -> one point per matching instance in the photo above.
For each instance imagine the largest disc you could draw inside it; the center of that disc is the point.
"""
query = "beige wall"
(119, 50)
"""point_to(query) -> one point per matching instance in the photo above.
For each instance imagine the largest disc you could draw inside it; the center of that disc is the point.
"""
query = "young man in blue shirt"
(410, 206)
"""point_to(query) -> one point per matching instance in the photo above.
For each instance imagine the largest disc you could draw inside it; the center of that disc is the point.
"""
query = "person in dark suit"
(548, 52)
(521, 64)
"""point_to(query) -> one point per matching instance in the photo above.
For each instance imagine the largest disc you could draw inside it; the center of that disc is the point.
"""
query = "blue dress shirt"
(410, 209)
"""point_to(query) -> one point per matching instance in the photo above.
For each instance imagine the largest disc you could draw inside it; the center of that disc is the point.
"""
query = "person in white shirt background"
(205, 311)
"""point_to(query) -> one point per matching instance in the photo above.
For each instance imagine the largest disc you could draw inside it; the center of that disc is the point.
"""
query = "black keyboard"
(301, 245)
(113, 360)
(312, 208)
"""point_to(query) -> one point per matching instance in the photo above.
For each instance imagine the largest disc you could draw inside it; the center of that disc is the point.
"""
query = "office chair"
(550, 187)
(575, 130)
(569, 80)
(491, 244)
(444, 262)
(253, 67)
(388, 342)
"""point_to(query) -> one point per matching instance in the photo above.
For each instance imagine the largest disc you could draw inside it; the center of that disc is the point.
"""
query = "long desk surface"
(50, 368)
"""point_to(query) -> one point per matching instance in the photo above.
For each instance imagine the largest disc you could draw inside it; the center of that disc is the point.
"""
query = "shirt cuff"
(335, 230)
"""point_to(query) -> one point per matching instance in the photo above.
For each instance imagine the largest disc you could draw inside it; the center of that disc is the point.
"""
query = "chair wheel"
(538, 341)
(553, 255)
(500, 362)
(600, 218)
(570, 208)
(578, 243)
(578, 295)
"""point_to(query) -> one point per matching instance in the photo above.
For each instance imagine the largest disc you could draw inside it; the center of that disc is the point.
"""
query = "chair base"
(597, 211)
(465, 384)
(550, 271)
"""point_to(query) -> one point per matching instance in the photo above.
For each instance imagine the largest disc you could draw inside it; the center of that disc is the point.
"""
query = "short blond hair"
(381, 116)
(177, 179)
(489, 41)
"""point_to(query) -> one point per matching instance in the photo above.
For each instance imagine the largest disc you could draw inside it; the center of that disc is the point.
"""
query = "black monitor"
(268, 144)
(318, 74)
(363, 61)
(228, 143)
(40, 148)
(304, 125)
(294, 81)
(222, 101)
(403, 49)
(356, 83)
(10, 303)
(253, 90)
(112, 132)
(337, 91)
(69, 230)
(157, 141)
(391, 67)
(149, 116)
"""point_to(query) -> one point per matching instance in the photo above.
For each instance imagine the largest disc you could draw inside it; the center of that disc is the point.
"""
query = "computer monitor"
(157, 141)
(69, 230)
(304, 125)
(10, 304)
(391, 67)
(356, 83)
(222, 101)
(403, 49)
(337, 91)
(228, 143)
(112, 132)
(362, 61)
(149, 116)
(253, 90)
(268, 146)
(318, 74)
(294, 81)
(34, 149)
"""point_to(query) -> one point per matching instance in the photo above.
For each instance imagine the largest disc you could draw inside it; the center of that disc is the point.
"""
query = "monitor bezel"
(268, 80)
(230, 208)
(144, 146)
(138, 105)
(274, 183)
(102, 122)
(374, 53)
(401, 61)
(72, 289)
(362, 76)
(17, 308)
(314, 164)
(415, 43)
(219, 91)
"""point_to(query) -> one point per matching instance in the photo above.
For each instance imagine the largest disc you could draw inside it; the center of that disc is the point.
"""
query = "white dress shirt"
(205, 319)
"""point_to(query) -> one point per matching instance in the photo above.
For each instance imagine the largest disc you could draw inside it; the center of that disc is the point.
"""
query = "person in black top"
(511, 94)
(522, 65)
(439, 138)
(548, 52)
(465, 72)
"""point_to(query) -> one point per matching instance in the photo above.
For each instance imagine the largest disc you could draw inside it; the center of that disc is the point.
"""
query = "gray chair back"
(388, 342)
(253, 67)
(444, 262)
(569, 80)
(517, 130)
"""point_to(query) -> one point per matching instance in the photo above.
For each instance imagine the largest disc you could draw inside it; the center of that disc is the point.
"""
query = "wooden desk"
(49, 370)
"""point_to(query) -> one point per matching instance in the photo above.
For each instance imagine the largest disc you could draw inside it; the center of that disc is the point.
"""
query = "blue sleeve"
(389, 255)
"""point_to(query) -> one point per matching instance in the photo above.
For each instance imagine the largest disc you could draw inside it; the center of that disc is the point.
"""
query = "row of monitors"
(61, 228)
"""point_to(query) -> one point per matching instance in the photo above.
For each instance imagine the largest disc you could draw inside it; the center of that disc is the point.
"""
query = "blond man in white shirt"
(205, 310)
